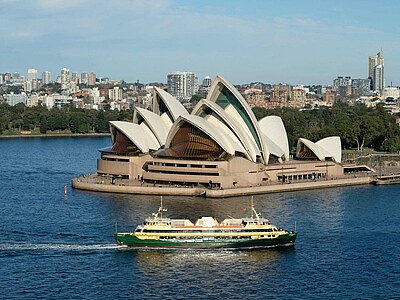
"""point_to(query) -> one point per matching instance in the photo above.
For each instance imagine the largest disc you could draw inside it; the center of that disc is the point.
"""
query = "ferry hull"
(127, 239)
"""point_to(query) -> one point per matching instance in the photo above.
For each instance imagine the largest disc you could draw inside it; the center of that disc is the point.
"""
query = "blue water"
(55, 246)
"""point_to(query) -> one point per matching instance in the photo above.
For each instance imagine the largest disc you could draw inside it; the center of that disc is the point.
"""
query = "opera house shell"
(220, 144)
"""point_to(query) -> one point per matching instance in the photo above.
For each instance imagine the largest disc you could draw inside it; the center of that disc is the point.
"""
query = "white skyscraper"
(46, 77)
(378, 79)
(64, 75)
(32, 75)
(376, 71)
(183, 85)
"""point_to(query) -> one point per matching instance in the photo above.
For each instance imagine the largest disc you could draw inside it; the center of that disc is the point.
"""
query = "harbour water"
(61, 246)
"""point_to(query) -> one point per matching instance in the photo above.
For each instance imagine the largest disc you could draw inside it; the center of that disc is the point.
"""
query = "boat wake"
(54, 247)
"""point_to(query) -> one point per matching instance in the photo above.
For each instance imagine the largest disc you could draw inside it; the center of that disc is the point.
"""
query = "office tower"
(7, 77)
(341, 81)
(32, 74)
(84, 77)
(376, 71)
(46, 77)
(75, 77)
(182, 85)
(64, 75)
(91, 79)
(378, 79)
(361, 86)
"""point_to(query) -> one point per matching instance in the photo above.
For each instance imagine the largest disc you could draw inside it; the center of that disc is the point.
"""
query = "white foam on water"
(54, 247)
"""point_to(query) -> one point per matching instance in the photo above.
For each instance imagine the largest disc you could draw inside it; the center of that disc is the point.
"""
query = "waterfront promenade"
(94, 182)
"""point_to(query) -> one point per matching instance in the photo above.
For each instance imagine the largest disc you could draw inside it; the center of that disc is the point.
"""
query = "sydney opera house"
(220, 144)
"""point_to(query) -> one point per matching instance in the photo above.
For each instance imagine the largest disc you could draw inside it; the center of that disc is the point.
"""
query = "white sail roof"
(243, 136)
(333, 145)
(136, 134)
(275, 135)
(227, 119)
(175, 108)
(229, 99)
(159, 128)
(329, 147)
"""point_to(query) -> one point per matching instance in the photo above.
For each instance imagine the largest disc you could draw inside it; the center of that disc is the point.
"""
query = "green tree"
(101, 124)
(30, 119)
(57, 120)
(5, 117)
(78, 122)
(43, 123)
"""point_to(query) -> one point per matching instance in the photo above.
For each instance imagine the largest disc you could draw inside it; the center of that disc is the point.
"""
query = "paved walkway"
(98, 183)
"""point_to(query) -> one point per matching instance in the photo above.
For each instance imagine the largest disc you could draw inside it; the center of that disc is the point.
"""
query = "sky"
(272, 41)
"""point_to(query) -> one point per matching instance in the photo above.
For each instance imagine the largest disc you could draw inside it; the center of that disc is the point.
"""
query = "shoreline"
(44, 135)
(97, 183)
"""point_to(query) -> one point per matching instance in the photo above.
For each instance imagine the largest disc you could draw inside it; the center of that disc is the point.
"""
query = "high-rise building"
(46, 77)
(32, 74)
(341, 81)
(13, 99)
(204, 87)
(115, 93)
(361, 86)
(376, 71)
(75, 77)
(84, 77)
(91, 79)
(182, 85)
(378, 79)
(347, 86)
(64, 75)
(281, 94)
(207, 81)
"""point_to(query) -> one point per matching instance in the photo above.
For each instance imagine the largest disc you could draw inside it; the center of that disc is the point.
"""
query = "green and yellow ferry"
(250, 232)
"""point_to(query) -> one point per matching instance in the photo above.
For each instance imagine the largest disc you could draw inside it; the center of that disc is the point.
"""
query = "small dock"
(386, 179)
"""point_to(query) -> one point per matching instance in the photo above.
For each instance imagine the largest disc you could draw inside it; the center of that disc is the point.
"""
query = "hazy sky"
(288, 41)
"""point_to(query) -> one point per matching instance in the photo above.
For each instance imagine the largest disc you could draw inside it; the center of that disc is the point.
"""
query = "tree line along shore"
(358, 126)
(20, 120)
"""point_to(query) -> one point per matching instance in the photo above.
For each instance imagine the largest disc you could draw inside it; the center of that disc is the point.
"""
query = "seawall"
(94, 183)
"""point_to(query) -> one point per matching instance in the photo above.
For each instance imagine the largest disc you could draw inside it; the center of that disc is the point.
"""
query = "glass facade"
(225, 98)
(304, 153)
(123, 145)
(191, 142)
(163, 108)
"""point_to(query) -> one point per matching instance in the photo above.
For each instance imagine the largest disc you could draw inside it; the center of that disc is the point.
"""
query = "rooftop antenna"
(252, 206)
(161, 208)
(253, 210)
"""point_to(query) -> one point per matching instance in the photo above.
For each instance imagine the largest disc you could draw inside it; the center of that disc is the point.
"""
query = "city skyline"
(267, 41)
